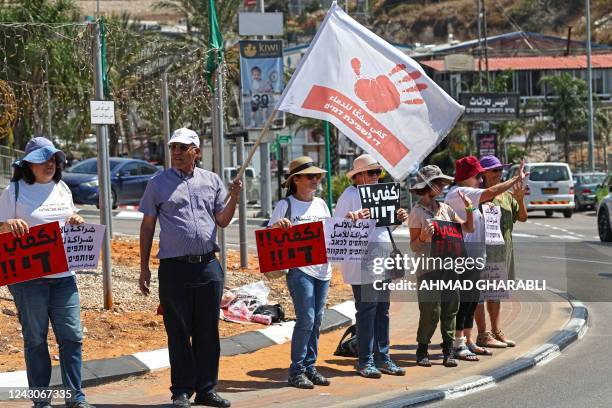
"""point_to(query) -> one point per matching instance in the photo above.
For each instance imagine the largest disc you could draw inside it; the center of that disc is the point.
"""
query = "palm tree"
(565, 106)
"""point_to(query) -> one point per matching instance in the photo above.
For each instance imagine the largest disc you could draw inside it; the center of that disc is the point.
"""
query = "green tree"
(565, 106)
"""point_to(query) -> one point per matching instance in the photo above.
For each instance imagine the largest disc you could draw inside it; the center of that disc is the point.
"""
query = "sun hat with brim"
(39, 150)
(302, 165)
(184, 136)
(363, 163)
(491, 162)
(427, 175)
(467, 167)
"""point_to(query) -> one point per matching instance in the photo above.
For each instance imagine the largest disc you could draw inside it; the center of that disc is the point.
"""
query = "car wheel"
(568, 213)
(603, 226)
(113, 199)
(549, 213)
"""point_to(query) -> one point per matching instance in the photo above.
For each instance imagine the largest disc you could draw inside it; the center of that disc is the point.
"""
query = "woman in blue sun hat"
(36, 195)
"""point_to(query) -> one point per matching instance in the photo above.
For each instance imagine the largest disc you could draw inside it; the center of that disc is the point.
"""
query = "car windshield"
(548, 173)
(90, 167)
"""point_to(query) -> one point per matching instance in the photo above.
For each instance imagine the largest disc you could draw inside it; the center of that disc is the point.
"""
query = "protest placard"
(494, 272)
(36, 254)
(347, 240)
(82, 244)
(447, 240)
(300, 245)
(492, 219)
(382, 200)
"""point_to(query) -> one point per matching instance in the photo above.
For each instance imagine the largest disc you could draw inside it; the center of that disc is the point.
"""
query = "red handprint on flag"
(382, 94)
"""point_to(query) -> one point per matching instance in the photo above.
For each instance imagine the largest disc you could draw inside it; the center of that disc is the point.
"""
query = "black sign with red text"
(447, 240)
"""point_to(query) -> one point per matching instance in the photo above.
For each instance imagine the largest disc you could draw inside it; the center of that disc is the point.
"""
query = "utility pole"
(166, 118)
(242, 209)
(264, 154)
(590, 89)
(218, 145)
(49, 109)
(103, 175)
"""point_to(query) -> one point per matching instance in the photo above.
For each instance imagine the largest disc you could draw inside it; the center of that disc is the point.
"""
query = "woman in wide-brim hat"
(372, 303)
(432, 309)
(36, 195)
(308, 285)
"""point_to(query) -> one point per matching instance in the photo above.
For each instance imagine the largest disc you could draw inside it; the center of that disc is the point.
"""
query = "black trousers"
(190, 295)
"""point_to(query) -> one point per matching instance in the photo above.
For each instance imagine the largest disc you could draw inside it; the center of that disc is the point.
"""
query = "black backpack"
(348, 346)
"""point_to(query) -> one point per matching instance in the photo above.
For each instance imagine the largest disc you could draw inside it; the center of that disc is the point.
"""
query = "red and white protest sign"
(37, 254)
(376, 95)
(300, 245)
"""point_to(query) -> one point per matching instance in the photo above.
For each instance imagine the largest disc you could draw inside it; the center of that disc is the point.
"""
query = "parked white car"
(550, 188)
(604, 219)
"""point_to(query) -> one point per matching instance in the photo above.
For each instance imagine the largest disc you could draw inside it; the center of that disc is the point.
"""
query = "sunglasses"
(181, 147)
(312, 176)
(375, 172)
(496, 170)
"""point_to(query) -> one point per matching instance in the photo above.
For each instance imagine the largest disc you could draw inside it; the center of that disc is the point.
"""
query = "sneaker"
(389, 367)
(369, 371)
(79, 404)
(181, 401)
(211, 399)
(301, 381)
(317, 378)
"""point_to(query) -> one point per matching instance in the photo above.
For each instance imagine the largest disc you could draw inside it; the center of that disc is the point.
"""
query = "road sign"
(283, 139)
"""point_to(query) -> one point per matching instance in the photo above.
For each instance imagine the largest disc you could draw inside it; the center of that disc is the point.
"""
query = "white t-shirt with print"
(38, 204)
(477, 238)
(303, 212)
(349, 200)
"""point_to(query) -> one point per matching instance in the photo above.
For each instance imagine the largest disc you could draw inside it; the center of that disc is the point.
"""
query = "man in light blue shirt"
(190, 204)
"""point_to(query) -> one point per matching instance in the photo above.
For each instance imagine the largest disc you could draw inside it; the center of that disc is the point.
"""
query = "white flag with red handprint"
(375, 94)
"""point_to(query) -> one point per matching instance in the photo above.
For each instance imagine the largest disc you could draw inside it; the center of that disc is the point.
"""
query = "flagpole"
(328, 163)
(262, 133)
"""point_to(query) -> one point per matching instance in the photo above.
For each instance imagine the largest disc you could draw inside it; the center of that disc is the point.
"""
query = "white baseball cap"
(185, 136)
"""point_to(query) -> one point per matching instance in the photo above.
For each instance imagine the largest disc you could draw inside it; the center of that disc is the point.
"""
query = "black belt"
(195, 259)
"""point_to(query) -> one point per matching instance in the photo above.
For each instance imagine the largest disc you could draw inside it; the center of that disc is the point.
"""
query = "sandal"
(486, 339)
(464, 353)
(500, 336)
(481, 351)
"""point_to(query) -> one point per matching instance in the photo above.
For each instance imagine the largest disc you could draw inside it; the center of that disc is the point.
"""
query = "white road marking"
(518, 234)
(564, 237)
(129, 215)
(577, 260)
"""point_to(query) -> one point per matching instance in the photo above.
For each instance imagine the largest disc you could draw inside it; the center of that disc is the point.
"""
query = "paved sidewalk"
(259, 379)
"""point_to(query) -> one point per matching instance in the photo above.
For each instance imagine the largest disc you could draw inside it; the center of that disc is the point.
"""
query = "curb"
(96, 372)
(574, 330)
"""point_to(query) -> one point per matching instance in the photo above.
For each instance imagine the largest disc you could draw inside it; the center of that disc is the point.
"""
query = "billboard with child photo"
(262, 82)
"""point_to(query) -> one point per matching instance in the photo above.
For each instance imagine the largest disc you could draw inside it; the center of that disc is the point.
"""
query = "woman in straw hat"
(434, 306)
(35, 196)
(372, 305)
(308, 285)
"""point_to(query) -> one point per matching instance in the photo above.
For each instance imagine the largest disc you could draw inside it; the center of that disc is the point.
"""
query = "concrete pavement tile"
(229, 347)
(252, 341)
